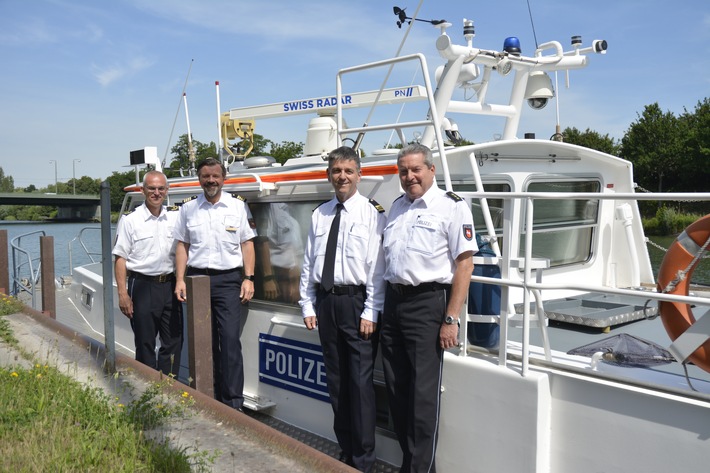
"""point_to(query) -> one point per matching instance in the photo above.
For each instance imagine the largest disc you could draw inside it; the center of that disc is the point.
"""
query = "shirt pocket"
(358, 239)
(196, 229)
(388, 236)
(321, 240)
(425, 234)
(142, 243)
(231, 241)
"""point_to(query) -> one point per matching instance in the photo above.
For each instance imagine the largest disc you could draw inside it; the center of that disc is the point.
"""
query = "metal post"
(73, 173)
(46, 255)
(4, 264)
(107, 270)
(56, 188)
(199, 333)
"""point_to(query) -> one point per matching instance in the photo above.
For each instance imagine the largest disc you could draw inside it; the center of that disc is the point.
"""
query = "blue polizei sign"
(292, 365)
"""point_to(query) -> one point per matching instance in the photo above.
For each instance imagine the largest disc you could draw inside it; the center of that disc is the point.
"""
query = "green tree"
(181, 156)
(7, 183)
(591, 139)
(117, 182)
(696, 153)
(30, 188)
(260, 145)
(86, 185)
(654, 145)
(286, 150)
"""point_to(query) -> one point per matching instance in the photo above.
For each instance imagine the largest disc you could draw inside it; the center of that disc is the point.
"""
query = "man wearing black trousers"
(428, 245)
(214, 234)
(342, 292)
(145, 278)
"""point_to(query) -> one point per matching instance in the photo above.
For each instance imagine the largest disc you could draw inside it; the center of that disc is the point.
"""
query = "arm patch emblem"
(468, 232)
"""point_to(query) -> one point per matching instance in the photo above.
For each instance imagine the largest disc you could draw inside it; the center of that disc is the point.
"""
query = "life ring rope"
(683, 273)
(674, 278)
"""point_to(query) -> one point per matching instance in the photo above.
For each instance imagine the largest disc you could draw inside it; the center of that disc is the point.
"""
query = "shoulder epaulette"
(172, 208)
(184, 201)
(130, 211)
(377, 206)
(395, 200)
(237, 196)
(454, 196)
(314, 208)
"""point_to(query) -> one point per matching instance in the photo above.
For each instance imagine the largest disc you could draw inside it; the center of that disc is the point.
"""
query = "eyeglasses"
(153, 189)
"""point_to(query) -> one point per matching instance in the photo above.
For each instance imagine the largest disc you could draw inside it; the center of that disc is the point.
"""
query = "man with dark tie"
(342, 293)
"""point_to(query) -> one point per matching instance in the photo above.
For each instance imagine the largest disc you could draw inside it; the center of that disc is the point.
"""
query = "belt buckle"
(163, 278)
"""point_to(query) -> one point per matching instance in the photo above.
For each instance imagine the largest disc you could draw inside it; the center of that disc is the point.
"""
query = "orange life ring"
(676, 316)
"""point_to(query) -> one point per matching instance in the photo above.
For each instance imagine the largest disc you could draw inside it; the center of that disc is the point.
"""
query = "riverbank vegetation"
(51, 422)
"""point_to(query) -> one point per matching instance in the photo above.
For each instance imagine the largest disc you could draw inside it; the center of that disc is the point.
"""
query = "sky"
(84, 82)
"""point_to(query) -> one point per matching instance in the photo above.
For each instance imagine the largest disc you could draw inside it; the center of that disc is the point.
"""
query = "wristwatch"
(250, 277)
(450, 320)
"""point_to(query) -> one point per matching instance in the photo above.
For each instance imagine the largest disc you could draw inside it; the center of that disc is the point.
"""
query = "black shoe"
(346, 458)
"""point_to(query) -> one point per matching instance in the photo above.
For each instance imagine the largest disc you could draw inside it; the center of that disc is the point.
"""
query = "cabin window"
(563, 229)
(495, 207)
(282, 229)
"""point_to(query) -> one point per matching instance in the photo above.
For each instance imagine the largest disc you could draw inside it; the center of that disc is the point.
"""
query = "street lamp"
(56, 189)
(73, 173)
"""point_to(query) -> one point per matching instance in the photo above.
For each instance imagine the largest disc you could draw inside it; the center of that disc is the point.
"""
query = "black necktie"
(328, 278)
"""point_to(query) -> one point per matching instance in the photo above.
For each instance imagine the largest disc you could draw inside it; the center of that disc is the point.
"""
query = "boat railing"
(25, 275)
(94, 256)
(431, 122)
(532, 279)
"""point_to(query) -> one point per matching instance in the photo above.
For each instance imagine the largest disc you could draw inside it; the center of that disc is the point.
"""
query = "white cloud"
(110, 74)
(33, 32)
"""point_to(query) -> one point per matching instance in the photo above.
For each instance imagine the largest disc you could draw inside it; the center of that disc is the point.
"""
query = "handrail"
(88, 253)
(531, 285)
(433, 119)
(18, 265)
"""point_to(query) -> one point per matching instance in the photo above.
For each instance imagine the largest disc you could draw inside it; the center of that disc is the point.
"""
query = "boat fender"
(377, 206)
(674, 278)
(453, 196)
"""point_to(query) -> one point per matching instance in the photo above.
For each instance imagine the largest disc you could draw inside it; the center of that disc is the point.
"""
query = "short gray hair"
(417, 148)
(154, 173)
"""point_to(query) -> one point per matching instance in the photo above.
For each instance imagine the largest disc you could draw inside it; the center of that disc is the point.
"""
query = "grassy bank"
(50, 422)
(668, 221)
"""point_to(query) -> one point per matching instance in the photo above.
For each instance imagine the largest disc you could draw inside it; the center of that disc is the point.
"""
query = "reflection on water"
(701, 274)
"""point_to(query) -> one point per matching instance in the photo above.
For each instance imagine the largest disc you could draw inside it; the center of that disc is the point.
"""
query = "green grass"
(51, 422)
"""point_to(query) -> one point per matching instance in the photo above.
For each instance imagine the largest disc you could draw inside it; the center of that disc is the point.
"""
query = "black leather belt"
(347, 290)
(406, 290)
(210, 271)
(167, 277)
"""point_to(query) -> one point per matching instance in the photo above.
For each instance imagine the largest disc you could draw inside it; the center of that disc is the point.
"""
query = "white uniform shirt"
(423, 238)
(214, 232)
(359, 259)
(146, 241)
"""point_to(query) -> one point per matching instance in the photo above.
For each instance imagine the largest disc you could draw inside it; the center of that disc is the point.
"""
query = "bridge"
(69, 206)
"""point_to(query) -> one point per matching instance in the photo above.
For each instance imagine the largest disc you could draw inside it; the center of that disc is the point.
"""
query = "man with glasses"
(145, 277)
